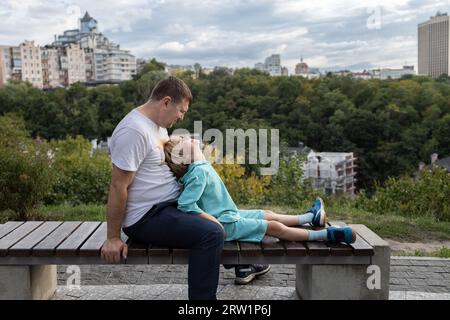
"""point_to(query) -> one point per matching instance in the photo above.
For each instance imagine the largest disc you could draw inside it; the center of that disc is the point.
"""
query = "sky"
(328, 34)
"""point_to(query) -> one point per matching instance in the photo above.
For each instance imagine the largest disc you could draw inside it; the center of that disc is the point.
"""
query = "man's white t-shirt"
(137, 145)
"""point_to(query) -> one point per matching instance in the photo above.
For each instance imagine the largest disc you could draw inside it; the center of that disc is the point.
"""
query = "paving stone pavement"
(171, 292)
(224, 292)
(408, 276)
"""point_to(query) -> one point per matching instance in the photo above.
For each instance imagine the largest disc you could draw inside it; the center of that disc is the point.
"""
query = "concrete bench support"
(27, 282)
(348, 282)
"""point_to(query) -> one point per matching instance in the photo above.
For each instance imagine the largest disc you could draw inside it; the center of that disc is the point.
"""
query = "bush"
(428, 194)
(81, 177)
(25, 172)
(289, 187)
(244, 190)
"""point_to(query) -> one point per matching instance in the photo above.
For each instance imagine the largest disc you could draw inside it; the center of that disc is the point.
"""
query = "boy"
(204, 192)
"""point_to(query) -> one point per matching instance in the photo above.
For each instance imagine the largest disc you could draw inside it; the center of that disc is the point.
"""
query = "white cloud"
(326, 33)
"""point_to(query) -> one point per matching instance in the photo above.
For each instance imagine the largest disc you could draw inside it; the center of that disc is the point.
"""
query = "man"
(143, 194)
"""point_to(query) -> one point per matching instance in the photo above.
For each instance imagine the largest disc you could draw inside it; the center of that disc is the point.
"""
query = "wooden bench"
(30, 251)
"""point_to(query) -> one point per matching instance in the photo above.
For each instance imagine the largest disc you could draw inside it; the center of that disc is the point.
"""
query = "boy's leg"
(245, 273)
(315, 215)
(287, 220)
(173, 228)
(332, 234)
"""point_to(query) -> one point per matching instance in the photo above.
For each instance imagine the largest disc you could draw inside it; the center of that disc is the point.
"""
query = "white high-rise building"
(332, 172)
(273, 65)
(30, 55)
(51, 67)
(104, 60)
(433, 46)
(5, 64)
(76, 70)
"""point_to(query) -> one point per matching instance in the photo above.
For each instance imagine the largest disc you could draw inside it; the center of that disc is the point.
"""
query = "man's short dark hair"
(173, 87)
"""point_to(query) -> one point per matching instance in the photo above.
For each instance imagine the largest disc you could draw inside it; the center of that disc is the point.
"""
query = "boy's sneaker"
(318, 210)
(245, 274)
(344, 234)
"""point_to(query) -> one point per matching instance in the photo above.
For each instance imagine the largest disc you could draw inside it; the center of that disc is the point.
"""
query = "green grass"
(403, 229)
(441, 253)
(94, 212)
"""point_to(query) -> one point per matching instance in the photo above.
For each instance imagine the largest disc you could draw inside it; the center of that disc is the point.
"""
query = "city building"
(387, 73)
(303, 70)
(260, 67)
(272, 65)
(75, 57)
(433, 46)
(5, 62)
(332, 172)
(78, 55)
(31, 71)
(51, 67)
(443, 163)
(364, 75)
(104, 61)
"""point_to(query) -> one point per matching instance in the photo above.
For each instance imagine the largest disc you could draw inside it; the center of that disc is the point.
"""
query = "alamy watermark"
(74, 280)
(263, 146)
(374, 280)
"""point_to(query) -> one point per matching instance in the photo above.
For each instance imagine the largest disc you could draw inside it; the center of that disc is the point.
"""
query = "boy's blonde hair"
(178, 169)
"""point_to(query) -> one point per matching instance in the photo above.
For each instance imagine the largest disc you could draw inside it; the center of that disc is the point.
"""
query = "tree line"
(391, 125)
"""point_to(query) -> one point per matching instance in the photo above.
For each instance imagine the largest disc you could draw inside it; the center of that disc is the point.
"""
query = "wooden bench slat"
(70, 246)
(230, 249)
(181, 252)
(24, 246)
(340, 249)
(295, 249)
(47, 246)
(157, 251)
(369, 236)
(272, 247)
(136, 249)
(317, 248)
(9, 227)
(360, 246)
(93, 245)
(16, 235)
(250, 249)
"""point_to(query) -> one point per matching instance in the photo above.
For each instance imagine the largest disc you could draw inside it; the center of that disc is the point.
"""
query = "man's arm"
(115, 211)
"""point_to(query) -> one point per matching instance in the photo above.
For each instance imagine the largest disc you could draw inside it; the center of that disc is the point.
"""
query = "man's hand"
(113, 249)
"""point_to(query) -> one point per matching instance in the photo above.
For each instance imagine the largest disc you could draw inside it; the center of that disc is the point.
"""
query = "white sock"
(305, 218)
(317, 235)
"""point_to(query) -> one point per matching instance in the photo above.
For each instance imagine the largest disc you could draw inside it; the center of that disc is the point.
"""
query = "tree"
(151, 66)
(26, 175)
